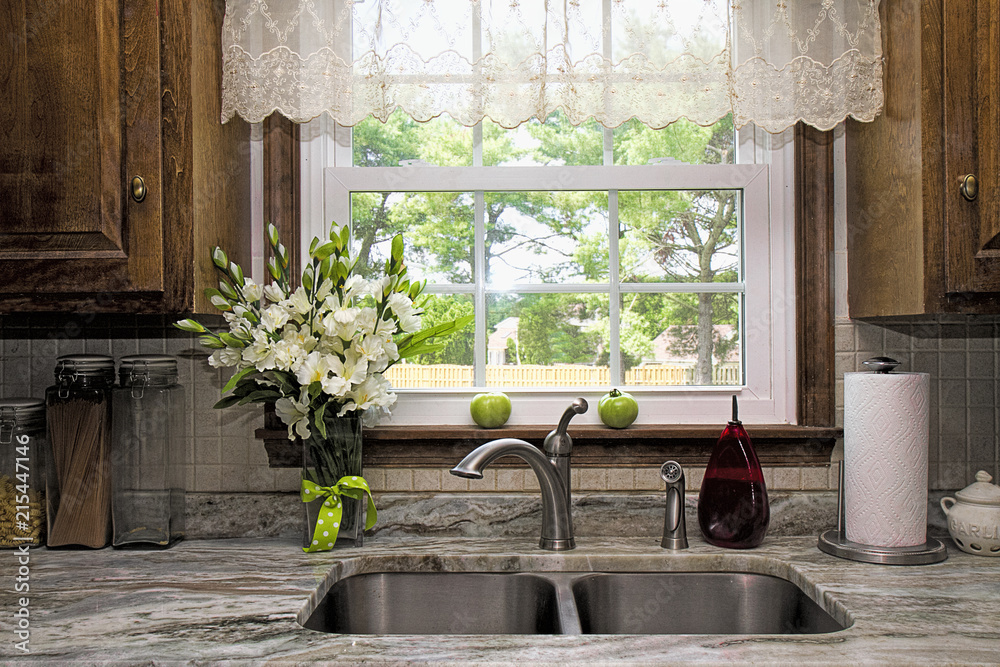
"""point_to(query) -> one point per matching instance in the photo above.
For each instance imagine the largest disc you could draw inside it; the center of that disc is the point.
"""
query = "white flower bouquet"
(323, 346)
(320, 352)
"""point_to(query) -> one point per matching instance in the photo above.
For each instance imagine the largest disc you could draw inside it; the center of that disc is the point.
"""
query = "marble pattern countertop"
(206, 601)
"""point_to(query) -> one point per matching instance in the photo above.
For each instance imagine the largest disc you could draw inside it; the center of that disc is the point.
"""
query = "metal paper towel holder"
(835, 543)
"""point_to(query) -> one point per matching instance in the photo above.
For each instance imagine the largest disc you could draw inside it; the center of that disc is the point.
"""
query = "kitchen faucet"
(552, 470)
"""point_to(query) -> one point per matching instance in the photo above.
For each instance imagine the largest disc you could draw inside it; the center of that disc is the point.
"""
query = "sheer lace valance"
(770, 62)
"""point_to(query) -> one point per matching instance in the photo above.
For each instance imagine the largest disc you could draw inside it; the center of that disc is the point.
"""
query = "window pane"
(546, 237)
(440, 141)
(449, 367)
(681, 339)
(437, 228)
(554, 142)
(547, 340)
(684, 141)
(679, 236)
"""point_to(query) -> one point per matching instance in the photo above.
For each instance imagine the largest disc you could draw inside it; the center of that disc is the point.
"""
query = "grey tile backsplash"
(962, 359)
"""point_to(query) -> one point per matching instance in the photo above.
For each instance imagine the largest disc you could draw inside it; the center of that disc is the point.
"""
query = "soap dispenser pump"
(732, 505)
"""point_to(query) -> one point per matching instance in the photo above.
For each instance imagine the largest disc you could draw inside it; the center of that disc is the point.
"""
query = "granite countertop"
(238, 601)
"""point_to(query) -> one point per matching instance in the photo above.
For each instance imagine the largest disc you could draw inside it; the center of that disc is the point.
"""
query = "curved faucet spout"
(557, 519)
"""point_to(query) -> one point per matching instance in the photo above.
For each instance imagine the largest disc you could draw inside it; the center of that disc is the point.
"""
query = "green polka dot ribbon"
(330, 514)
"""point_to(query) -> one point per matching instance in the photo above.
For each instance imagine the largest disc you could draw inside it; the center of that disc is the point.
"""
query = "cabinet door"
(79, 117)
(972, 144)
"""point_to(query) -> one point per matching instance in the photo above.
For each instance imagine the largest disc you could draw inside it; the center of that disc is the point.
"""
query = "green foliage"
(458, 348)
(551, 329)
(686, 236)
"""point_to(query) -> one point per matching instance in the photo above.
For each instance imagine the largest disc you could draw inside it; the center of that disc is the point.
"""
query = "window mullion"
(615, 373)
(479, 259)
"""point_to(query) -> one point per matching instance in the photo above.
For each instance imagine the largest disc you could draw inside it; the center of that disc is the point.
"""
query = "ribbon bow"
(330, 514)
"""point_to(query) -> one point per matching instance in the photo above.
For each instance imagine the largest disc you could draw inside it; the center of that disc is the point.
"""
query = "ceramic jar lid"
(980, 492)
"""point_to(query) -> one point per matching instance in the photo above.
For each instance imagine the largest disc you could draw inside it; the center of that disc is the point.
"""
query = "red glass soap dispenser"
(732, 504)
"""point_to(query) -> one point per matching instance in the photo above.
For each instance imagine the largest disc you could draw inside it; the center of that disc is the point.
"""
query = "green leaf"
(420, 348)
(410, 342)
(282, 253)
(323, 251)
(285, 380)
(237, 377)
(312, 245)
(260, 396)
(211, 342)
(307, 277)
(272, 268)
(190, 325)
(397, 247)
(315, 389)
(345, 236)
(226, 402)
(236, 273)
(219, 258)
(272, 235)
(228, 290)
(318, 419)
(232, 341)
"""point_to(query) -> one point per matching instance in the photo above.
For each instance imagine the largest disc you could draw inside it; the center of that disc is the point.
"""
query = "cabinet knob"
(969, 187)
(138, 189)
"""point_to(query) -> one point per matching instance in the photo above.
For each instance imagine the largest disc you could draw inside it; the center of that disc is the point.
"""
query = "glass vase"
(733, 511)
(325, 460)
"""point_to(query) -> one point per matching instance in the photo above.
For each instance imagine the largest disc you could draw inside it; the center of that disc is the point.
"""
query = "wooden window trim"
(808, 443)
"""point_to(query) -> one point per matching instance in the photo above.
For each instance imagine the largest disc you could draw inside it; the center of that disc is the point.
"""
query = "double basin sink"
(474, 603)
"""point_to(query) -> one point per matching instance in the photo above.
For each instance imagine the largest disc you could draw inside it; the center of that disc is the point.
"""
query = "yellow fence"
(408, 376)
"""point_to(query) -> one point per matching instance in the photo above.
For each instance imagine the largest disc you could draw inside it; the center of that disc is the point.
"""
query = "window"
(586, 266)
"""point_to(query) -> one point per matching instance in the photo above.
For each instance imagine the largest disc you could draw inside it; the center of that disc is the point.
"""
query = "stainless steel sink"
(725, 603)
(434, 603)
(463, 603)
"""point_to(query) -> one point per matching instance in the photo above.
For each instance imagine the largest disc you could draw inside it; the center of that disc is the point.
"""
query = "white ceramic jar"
(974, 518)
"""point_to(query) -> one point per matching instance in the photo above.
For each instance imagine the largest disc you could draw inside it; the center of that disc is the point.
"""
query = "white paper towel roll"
(885, 458)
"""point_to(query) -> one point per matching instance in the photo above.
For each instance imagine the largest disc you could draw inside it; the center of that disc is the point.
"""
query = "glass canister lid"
(84, 364)
(20, 413)
(980, 492)
(136, 366)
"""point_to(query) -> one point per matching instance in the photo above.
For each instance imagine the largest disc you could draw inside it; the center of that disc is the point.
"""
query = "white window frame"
(764, 174)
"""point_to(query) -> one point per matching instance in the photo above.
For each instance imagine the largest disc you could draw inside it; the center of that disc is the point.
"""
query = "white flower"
(324, 290)
(229, 356)
(299, 302)
(374, 392)
(377, 351)
(353, 368)
(341, 320)
(366, 320)
(295, 414)
(274, 293)
(402, 307)
(385, 329)
(334, 385)
(252, 291)
(330, 345)
(356, 286)
(274, 318)
(259, 352)
(314, 368)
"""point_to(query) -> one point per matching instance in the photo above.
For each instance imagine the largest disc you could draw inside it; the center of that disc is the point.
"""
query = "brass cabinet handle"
(138, 189)
(969, 187)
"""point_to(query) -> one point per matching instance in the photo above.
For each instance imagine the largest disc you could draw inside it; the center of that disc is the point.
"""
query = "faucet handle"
(558, 442)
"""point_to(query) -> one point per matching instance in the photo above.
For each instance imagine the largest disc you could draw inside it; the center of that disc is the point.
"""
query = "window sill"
(593, 446)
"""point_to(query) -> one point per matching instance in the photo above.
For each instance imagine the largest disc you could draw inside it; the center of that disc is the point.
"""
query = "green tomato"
(490, 410)
(618, 409)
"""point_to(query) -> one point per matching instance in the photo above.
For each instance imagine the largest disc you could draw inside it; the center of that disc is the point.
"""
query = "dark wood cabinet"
(918, 242)
(96, 94)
